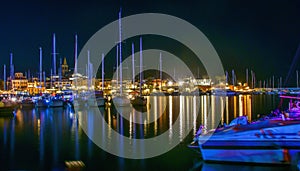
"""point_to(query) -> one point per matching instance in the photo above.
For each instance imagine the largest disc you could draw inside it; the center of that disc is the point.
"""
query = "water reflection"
(50, 136)
(191, 111)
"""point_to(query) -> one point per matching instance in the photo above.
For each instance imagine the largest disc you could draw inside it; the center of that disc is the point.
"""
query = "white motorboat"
(268, 141)
(272, 140)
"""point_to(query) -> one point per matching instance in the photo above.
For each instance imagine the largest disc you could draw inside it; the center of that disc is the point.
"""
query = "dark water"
(43, 139)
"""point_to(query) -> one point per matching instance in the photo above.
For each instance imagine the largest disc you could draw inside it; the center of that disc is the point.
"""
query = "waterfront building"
(19, 83)
(34, 86)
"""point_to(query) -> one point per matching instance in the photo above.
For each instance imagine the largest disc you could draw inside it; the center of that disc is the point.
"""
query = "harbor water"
(47, 138)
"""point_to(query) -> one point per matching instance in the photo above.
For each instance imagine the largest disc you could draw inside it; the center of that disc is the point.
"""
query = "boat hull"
(283, 152)
(28, 105)
(272, 142)
(56, 103)
(41, 104)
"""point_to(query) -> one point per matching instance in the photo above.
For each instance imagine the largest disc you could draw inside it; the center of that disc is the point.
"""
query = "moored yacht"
(272, 140)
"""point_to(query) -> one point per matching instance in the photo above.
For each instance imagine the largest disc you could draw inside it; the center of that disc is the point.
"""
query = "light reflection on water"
(44, 138)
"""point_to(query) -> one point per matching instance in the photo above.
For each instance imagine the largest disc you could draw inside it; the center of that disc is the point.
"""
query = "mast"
(160, 70)
(141, 65)
(88, 69)
(252, 79)
(117, 65)
(60, 71)
(51, 76)
(28, 75)
(41, 58)
(11, 66)
(44, 78)
(54, 54)
(4, 76)
(75, 54)
(273, 84)
(233, 77)
(133, 73)
(120, 42)
(226, 75)
(103, 72)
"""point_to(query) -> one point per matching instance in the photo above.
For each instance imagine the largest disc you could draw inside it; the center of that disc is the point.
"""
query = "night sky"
(262, 36)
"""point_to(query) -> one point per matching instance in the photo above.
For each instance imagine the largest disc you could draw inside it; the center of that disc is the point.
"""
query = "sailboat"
(100, 100)
(139, 100)
(120, 99)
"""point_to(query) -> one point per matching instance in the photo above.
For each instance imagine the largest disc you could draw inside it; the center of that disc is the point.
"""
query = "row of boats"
(95, 99)
(273, 139)
(9, 105)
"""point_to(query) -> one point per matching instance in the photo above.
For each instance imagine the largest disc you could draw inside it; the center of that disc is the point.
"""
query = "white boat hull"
(252, 155)
(279, 143)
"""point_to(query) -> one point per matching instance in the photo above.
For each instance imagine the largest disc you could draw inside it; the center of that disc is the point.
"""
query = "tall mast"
(273, 84)
(117, 65)
(11, 66)
(120, 42)
(54, 54)
(76, 53)
(51, 75)
(88, 69)
(103, 72)
(226, 75)
(141, 65)
(160, 70)
(28, 75)
(233, 77)
(60, 70)
(160, 67)
(133, 67)
(44, 78)
(41, 60)
(252, 79)
(4, 76)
